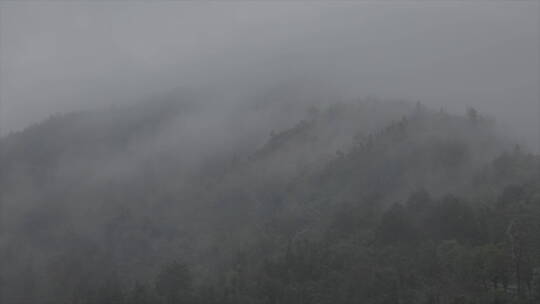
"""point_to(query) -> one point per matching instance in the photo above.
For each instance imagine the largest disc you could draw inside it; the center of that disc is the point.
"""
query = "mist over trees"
(258, 152)
(339, 202)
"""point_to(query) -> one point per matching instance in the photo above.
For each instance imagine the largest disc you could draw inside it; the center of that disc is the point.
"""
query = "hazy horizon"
(287, 152)
(58, 57)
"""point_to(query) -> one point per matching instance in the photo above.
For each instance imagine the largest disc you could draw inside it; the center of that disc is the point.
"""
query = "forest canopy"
(362, 201)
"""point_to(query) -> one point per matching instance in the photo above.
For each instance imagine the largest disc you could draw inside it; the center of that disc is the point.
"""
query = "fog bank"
(59, 56)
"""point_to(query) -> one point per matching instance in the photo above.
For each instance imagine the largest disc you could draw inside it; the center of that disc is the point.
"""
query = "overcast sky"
(60, 56)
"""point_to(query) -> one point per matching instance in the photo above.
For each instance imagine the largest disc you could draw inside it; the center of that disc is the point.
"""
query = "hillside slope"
(94, 201)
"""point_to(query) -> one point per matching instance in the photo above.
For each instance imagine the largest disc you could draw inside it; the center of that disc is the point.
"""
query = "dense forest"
(361, 201)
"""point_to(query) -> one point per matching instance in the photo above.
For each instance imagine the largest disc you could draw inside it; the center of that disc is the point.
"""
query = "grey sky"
(60, 56)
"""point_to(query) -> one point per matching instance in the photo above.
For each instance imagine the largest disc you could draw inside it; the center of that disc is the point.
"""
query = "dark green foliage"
(455, 219)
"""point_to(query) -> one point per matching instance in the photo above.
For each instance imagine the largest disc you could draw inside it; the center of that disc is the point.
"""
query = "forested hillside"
(360, 201)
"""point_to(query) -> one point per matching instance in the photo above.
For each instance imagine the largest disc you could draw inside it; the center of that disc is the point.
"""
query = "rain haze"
(257, 152)
(59, 56)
